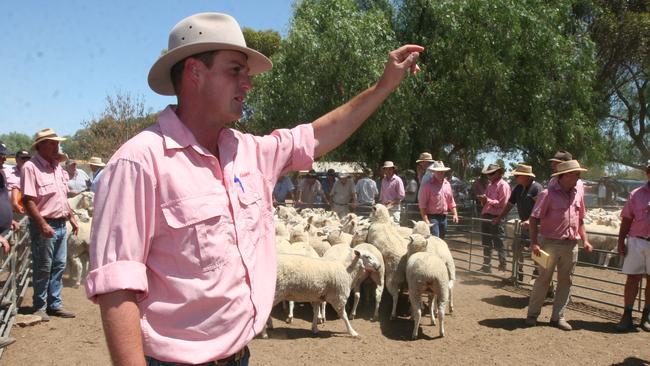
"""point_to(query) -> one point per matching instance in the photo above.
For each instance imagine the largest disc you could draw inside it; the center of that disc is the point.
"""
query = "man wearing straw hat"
(183, 260)
(436, 199)
(559, 212)
(523, 196)
(635, 226)
(392, 191)
(45, 192)
(493, 201)
(424, 161)
(96, 167)
(343, 195)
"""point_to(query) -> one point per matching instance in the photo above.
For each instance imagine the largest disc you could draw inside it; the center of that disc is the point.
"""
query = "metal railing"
(14, 277)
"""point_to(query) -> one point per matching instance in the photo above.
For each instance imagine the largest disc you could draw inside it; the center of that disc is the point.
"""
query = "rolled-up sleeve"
(122, 229)
(541, 205)
(286, 150)
(423, 196)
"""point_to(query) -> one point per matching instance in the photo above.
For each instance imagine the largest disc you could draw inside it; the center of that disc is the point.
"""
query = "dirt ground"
(486, 328)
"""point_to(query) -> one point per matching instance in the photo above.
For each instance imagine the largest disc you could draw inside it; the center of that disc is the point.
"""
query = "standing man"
(78, 180)
(523, 196)
(343, 195)
(635, 226)
(436, 199)
(283, 188)
(328, 184)
(392, 191)
(13, 181)
(367, 192)
(184, 269)
(45, 193)
(6, 213)
(310, 190)
(423, 162)
(96, 166)
(559, 212)
(493, 201)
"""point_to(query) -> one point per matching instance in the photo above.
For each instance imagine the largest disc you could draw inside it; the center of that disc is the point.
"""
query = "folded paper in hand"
(541, 259)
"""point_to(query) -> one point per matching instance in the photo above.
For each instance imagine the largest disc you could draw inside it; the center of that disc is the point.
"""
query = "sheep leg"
(432, 308)
(322, 313)
(379, 290)
(357, 296)
(77, 269)
(441, 315)
(340, 310)
(290, 317)
(451, 300)
(416, 312)
(314, 324)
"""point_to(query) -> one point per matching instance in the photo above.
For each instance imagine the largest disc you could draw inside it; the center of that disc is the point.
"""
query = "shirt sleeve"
(400, 189)
(122, 229)
(541, 205)
(28, 180)
(451, 203)
(513, 195)
(286, 150)
(423, 196)
(628, 211)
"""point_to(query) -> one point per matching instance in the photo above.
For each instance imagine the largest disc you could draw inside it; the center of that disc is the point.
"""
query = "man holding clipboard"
(559, 212)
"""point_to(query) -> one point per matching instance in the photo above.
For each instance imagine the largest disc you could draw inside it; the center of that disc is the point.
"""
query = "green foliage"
(16, 141)
(266, 41)
(122, 119)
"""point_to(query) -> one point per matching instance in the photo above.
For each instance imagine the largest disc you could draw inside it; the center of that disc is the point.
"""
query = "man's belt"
(55, 219)
(234, 358)
(646, 238)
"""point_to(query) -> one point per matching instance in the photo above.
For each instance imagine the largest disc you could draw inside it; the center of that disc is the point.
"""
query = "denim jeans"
(242, 362)
(492, 239)
(438, 225)
(48, 264)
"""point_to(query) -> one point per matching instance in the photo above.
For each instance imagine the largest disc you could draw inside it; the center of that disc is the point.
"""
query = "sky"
(60, 59)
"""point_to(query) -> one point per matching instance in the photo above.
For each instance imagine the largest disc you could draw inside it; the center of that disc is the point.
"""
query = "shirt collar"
(175, 134)
(42, 162)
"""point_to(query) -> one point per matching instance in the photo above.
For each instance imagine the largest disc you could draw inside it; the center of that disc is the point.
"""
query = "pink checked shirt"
(636, 209)
(392, 189)
(12, 174)
(48, 185)
(497, 197)
(193, 235)
(560, 213)
(436, 197)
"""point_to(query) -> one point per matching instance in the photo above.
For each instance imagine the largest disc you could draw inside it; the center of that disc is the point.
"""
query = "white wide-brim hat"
(438, 166)
(201, 33)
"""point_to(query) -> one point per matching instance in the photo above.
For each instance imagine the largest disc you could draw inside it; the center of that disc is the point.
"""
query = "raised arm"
(336, 126)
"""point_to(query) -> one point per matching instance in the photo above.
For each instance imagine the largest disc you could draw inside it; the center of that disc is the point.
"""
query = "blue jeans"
(242, 362)
(48, 263)
(492, 238)
(438, 225)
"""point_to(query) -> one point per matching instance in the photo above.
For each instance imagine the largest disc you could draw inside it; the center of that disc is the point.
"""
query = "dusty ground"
(486, 328)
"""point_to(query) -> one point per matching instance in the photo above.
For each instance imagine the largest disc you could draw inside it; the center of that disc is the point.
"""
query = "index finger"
(408, 48)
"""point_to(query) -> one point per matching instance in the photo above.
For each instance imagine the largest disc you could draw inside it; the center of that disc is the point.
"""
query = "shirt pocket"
(204, 226)
(46, 187)
(253, 210)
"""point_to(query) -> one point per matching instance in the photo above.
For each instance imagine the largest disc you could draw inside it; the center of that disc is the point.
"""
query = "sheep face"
(417, 243)
(421, 228)
(379, 213)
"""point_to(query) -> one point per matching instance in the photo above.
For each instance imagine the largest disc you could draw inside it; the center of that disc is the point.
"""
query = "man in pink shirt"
(493, 201)
(183, 260)
(392, 191)
(560, 157)
(559, 211)
(435, 200)
(45, 191)
(635, 226)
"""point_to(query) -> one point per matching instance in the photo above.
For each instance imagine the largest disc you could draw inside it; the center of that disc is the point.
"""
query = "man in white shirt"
(342, 195)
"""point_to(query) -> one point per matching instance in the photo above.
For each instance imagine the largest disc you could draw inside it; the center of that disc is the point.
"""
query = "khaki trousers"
(564, 255)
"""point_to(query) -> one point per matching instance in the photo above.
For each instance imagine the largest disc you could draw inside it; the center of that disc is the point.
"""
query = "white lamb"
(427, 274)
(315, 280)
(341, 252)
(78, 246)
(383, 234)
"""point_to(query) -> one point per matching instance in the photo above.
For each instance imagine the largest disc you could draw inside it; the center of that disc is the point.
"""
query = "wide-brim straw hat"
(568, 167)
(491, 169)
(425, 156)
(197, 34)
(96, 161)
(561, 156)
(46, 134)
(438, 166)
(523, 169)
(388, 164)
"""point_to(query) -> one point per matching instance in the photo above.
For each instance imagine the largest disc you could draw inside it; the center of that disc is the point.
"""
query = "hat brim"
(521, 173)
(160, 73)
(569, 171)
(427, 160)
(490, 171)
(439, 169)
(556, 160)
(59, 139)
(99, 165)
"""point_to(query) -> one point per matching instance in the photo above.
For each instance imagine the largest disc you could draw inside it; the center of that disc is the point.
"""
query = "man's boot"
(626, 324)
(645, 319)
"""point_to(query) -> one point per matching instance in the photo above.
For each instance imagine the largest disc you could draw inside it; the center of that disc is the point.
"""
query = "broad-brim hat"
(200, 33)
(491, 169)
(425, 156)
(388, 164)
(568, 167)
(561, 156)
(22, 154)
(46, 134)
(4, 150)
(438, 166)
(523, 169)
(311, 174)
(96, 161)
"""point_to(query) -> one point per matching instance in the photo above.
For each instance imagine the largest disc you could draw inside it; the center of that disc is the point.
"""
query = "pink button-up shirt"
(436, 197)
(391, 189)
(48, 185)
(193, 235)
(12, 174)
(636, 209)
(497, 197)
(560, 213)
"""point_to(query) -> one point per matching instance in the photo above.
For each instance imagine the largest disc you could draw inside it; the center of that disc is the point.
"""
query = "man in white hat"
(343, 195)
(183, 260)
(436, 199)
(523, 196)
(493, 201)
(392, 191)
(45, 197)
(367, 192)
(559, 212)
(96, 167)
(635, 226)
